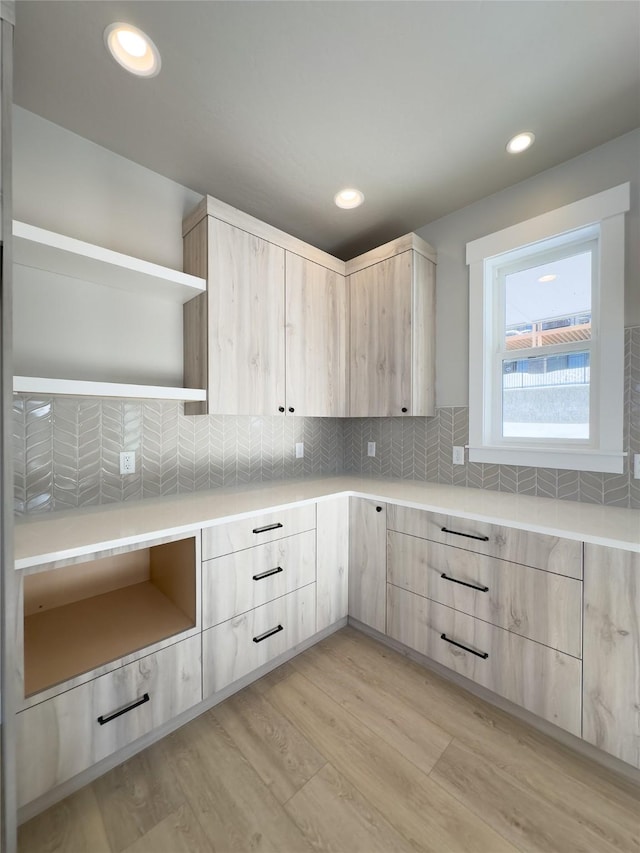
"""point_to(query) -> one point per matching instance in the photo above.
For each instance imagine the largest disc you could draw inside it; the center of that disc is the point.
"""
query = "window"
(547, 339)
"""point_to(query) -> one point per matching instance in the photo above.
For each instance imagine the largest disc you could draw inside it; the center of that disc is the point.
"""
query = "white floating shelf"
(46, 250)
(86, 388)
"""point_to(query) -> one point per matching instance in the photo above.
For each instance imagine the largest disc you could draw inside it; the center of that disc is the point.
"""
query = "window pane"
(549, 303)
(546, 397)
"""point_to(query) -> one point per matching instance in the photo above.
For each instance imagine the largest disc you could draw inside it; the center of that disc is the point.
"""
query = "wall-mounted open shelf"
(46, 250)
(89, 321)
(82, 388)
(83, 616)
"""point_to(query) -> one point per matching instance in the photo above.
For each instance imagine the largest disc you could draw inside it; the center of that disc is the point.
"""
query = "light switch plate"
(371, 448)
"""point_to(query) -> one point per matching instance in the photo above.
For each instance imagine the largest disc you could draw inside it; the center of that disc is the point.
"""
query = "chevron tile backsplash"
(66, 451)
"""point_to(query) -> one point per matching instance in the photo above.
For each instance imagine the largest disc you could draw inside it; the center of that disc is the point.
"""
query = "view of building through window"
(546, 357)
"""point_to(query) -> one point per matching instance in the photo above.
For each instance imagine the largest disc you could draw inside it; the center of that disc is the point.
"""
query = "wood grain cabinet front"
(612, 651)
(367, 562)
(242, 644)
(269, 335)
(63, 736)
(256, 530)
(539, 605)
(392, 330)
(542, 680)
(538, 550)
(239, 582)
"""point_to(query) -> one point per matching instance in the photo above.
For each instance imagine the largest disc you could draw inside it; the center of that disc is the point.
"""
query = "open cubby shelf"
(69, 631)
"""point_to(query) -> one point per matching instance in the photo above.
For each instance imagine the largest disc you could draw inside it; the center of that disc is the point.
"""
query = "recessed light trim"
(132, 49)
(348, 198)
(520, 142)
(546, 278)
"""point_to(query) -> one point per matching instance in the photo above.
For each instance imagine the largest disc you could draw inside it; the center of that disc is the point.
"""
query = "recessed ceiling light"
(348, 198)
(132, 49)
(520, 142)
(545, 278)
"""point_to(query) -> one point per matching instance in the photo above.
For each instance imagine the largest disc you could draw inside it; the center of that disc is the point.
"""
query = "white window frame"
(598, 218)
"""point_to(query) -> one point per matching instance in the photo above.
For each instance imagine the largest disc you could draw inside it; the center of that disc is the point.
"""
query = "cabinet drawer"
(239, 582)
(542, 680)
(551, 553)
(255, 530)
(63, 736)
(242, 644)
(535, 604)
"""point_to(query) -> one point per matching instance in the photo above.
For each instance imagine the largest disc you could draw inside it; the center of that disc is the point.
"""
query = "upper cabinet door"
(392, 330)
(380, 375)
(316, 320)
(246, 319)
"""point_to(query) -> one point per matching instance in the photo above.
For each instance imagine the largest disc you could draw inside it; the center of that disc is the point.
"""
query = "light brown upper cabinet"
(269, 335)
(392, 330)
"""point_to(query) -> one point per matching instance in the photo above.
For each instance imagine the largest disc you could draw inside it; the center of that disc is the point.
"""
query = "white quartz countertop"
(45, 539)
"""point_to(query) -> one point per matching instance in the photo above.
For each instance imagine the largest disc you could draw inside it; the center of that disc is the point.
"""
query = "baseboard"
(586, 750)
(69, 787)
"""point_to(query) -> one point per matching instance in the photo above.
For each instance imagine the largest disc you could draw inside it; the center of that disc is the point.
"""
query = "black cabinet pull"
(467, 535)
(102, 720)
(268, 634)
(281, 408)
(483, 655)
(464, 583)
(291, 409)
(268, 573)
(267, 527)
(378, 509)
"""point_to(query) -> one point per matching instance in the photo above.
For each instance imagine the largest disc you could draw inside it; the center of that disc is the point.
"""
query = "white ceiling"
(274, 106)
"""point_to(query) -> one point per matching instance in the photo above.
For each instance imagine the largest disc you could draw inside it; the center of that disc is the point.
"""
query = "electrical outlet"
(458, 455)
(299, 450)
(371, 448)
(128, 462)
(636, 466)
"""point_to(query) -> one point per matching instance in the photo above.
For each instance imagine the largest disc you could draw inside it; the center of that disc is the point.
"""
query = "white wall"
(67, 184)
(614, 163)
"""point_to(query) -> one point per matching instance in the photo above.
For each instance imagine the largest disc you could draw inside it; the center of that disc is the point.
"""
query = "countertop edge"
(380, 490)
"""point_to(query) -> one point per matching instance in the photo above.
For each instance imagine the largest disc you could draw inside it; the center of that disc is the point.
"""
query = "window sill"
(573, 460)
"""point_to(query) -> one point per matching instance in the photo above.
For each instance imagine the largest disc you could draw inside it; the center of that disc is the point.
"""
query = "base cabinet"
(367, 562)
(240, 645)
(63, 736)
(611, 699)
(542, 680)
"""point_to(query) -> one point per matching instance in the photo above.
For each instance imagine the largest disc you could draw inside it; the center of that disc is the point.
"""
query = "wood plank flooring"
(349, 748)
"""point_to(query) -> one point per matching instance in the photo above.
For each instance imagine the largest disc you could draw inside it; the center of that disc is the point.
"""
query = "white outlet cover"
(371, 448)
(299, 449)
(458, 455)
(636, 466)
(127, 462)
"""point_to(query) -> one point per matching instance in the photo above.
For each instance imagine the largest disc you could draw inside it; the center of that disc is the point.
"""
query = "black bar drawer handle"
(267, 527)
(483, 655)
(468, 535)
(102, 720)
(464, 583)
(268, 573)
(268, 634)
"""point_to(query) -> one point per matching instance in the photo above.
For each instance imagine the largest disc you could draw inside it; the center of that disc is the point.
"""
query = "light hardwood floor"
(349, 747)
